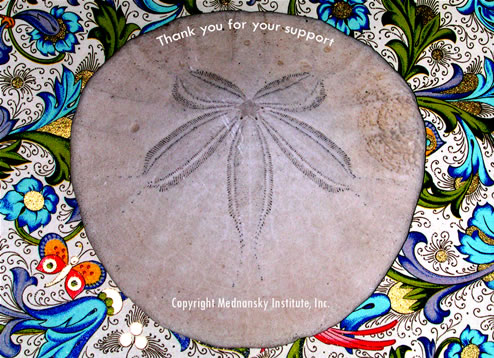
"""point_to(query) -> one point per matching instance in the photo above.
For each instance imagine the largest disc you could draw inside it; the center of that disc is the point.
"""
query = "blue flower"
(483, 9)
(6, 123)
(484, 92)
(474, 162)
(473, 344)
(30, 203)
(5, 49)
(62, 103)
(478, 245)
(478, 242)
(346, 15)
(64, 39)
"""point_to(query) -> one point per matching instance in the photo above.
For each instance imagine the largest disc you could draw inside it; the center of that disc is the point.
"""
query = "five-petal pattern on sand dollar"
(252, 126)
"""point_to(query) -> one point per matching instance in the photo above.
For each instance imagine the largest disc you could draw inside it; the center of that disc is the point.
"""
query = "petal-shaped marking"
(293, 93)
(231, 185)
(205, 90)
(314, 154)
(218, 82)
(164, 145)
(183, 93)
(267, 197)
(249, 180)
(189, 145)
(316, 137)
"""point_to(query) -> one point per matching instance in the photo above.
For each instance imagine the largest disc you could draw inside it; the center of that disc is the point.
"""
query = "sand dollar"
(247, 166)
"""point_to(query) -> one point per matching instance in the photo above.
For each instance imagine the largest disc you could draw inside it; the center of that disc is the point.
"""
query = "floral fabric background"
(56, 299)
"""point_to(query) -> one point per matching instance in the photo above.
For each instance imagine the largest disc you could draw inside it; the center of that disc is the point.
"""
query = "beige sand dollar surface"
(244, 166)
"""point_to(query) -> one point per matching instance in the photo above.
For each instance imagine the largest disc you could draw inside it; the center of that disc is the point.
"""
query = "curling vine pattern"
(437, 298)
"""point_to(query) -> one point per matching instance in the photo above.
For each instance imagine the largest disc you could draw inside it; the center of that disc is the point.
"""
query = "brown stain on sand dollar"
(387, 135)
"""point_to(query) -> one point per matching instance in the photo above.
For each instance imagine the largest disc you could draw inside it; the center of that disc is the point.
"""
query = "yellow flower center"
(17, 82)
(425, 14)
(34, 201)
(342, 10)
(470, 351)
(441, 255)
(437, 54)
(60, 35)
(399, 303)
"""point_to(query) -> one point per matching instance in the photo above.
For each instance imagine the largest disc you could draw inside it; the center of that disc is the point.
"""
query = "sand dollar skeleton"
(267, 139)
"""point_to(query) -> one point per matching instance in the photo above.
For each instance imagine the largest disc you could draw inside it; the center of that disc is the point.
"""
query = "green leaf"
(417, 306)
(406, 287)
(417, 69)
(419, 291)
(113, 31)
(421, 299)
(449, 113)
(402, 53)
(9, 157)
(419, 36)
(432, 197)
(446, 343)
(397, 15)
(399, 352)
(428, 31)
(444, 34)
(416, 294)
(410, 11)
(292, 7)
(442, 109)
(58, 147)
(411, 282)
(297, 349)
(421, 294)
(191, 7)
